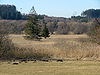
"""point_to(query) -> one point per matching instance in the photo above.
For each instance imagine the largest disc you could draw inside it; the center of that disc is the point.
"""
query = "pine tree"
(32, 28)
(32, 11)
(45, 32)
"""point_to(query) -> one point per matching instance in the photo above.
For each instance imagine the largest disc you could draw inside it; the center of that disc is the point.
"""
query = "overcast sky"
(62, 8)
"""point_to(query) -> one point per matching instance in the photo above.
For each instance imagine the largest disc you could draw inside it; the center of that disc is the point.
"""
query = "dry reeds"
(58, 46)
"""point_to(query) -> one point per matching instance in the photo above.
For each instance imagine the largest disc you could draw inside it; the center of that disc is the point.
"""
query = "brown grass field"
(62, 46)
(71, 47)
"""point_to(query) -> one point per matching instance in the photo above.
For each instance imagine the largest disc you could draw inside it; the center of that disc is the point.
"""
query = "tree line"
(91, 13)
(9, 12)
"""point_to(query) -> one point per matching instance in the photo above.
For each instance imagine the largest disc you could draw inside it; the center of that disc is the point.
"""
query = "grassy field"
(61, 46)
(71, 47)
(51, 68)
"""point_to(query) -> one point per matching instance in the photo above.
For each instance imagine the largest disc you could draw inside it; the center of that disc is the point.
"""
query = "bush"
(6, 44)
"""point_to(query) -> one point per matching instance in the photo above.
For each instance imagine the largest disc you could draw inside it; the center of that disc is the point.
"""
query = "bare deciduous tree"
(94, 32)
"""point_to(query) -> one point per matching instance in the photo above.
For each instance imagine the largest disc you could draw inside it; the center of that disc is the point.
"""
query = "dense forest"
(91, 13)
(9, 12)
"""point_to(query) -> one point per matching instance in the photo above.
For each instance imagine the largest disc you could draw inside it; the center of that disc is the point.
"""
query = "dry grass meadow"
(61, 46)
(69, 47)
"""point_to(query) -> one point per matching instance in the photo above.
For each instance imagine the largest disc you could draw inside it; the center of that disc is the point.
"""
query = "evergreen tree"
(32, 28)
(33, 11)
(45, 32)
